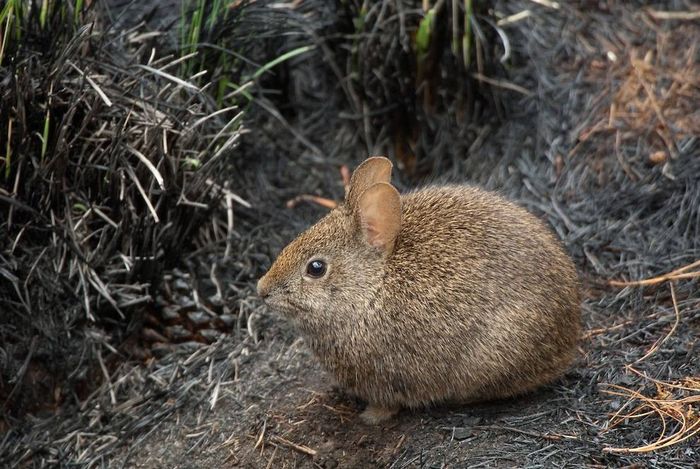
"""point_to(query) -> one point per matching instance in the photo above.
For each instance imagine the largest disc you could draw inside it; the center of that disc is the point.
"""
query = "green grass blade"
(11, 15)
(216, 9)
(284, 57)
(424, 33)
(196, 27)
(8, 150)
(17, 21)
(45, 135)
(6, 16)
(467, 38)
(79, 208)
(455, 29)
(44, 13)
(78, 10)
(190, 32)
(6, 11)
(240, 90)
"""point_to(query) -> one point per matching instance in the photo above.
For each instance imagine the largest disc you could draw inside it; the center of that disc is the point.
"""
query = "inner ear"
(379, 216)
(373, 170)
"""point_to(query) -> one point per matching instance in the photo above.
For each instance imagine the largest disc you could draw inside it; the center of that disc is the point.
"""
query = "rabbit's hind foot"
(374, 414)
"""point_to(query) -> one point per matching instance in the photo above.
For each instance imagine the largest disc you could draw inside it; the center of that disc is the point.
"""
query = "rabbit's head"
(334, 267)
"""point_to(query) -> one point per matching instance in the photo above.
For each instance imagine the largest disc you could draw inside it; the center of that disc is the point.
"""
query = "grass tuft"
(112, 164)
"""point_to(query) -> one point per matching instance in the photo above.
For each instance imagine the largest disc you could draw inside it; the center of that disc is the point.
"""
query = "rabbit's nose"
(263, 287)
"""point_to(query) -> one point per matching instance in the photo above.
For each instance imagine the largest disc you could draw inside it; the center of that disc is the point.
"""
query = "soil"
(283, 411)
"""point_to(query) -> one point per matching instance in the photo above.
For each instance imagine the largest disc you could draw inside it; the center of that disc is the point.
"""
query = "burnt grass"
(592, 123)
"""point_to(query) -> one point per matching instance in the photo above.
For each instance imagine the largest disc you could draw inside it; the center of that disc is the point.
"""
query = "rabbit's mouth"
(283, 306)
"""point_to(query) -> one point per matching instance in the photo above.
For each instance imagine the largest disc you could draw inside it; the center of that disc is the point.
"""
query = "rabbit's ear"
(371, 171)
(379, 215)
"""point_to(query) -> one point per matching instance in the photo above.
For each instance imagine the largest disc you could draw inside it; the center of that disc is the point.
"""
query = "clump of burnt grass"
(112, 166)
(410, 66)
(398, 72)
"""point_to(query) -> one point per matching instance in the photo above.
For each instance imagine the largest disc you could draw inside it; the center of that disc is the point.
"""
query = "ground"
(283, 411)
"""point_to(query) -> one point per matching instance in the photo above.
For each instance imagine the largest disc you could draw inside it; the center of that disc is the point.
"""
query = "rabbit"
(444, 294)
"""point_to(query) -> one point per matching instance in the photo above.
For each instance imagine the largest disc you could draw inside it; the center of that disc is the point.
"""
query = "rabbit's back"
(479, 301)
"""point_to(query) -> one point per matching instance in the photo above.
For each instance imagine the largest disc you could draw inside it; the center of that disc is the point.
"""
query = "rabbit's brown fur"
(473, 299)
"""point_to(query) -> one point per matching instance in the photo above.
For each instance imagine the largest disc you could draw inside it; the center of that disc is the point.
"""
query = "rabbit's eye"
(316, 268)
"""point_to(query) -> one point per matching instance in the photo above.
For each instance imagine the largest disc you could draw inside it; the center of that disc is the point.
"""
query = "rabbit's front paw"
(374, 415)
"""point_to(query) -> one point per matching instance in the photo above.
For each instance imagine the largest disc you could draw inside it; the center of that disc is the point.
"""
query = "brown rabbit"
(443, 294)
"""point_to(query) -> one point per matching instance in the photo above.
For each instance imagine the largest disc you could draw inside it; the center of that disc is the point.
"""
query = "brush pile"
(111, 169)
